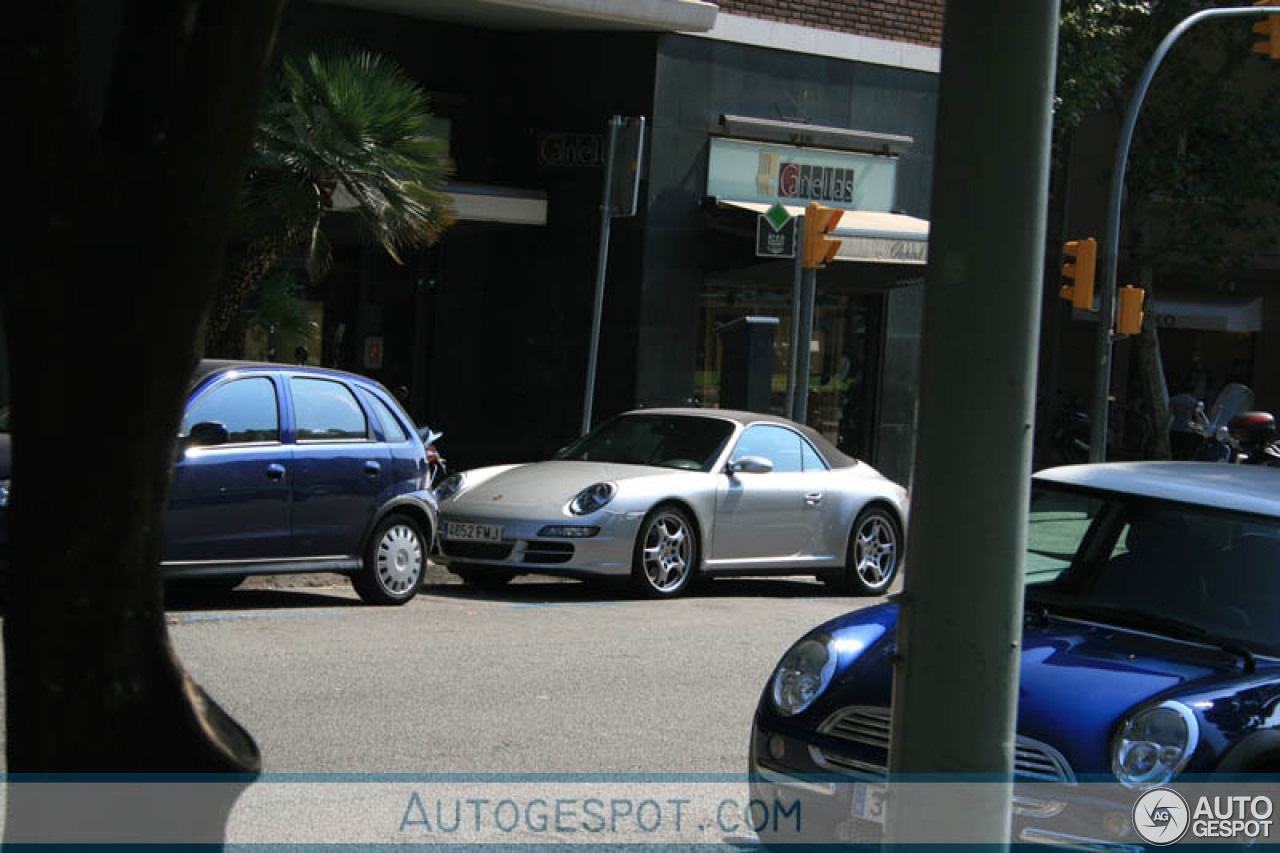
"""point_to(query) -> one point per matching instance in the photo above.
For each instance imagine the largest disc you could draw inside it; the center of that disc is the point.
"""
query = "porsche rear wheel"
(875, 545)
(666, 553)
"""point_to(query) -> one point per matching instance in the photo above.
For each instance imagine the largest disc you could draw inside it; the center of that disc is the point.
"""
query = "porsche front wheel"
(666, 553)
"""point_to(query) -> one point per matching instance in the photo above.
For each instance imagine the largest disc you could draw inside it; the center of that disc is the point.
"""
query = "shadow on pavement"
(196, 599)
(555, 591)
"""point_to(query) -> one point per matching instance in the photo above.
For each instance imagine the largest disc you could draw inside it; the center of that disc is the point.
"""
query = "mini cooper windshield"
(1172, 569)
(667, 441)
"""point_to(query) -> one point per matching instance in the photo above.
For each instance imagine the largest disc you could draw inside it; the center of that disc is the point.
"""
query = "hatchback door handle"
(372, 468)
(813, 498)
(275, 472)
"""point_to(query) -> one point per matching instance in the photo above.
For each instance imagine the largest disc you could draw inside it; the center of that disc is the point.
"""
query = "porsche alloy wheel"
(666, 553)
(873, 552)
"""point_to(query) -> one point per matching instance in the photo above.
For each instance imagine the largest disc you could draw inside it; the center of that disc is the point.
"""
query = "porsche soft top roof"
(835, 458)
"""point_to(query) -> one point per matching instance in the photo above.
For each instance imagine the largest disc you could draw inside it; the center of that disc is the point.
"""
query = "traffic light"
(1129, 313)
(819, 248)
(1079, 269)
(1269, 29)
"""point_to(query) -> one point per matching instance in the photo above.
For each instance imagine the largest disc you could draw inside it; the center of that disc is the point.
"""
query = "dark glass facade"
(489, 329)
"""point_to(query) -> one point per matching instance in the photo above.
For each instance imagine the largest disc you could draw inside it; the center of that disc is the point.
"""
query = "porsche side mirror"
(750, 465)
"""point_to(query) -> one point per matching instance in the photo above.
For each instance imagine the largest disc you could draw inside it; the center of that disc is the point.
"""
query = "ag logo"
(1161, 816)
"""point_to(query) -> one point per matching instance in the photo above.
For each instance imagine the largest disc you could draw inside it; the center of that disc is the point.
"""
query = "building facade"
(746, 103)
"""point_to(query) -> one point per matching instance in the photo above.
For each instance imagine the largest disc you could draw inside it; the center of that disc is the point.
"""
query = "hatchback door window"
(327, 411)
(246, 407)
(780, 446)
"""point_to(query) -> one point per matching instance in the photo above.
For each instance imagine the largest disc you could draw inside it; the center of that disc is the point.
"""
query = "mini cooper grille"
(476, 550)
(548, 552)
(868, 726)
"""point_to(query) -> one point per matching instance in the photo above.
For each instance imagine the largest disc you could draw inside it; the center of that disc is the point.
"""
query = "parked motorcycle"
(1213, 430)
(1253, 435)
(436, 468)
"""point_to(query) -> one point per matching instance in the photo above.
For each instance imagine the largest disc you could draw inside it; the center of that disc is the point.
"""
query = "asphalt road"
(545, 676)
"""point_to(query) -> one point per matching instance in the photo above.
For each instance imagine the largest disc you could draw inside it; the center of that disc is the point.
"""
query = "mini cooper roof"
(1241, 488)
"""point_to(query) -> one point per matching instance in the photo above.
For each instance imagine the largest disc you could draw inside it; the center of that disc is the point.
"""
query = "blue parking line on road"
(557, 604)
(218, 617)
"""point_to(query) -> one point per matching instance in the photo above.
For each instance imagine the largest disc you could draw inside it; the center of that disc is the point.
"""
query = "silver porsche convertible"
(662, 496)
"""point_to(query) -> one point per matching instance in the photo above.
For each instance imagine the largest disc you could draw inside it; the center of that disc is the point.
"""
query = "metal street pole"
(1109, 250)
(808, 298)
(796, 296)
(956, 677)
(606, 219)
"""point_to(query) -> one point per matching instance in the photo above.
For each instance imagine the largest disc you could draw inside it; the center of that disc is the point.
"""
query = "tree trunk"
(127, 198)
(1152, 390)
(225, 327)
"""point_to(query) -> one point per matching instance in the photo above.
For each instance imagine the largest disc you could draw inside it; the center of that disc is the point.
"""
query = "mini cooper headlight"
(449, 487)
(1154, 744)
(802, 675)
(592, 498)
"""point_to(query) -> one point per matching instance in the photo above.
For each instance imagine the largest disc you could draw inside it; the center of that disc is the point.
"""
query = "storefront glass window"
(843, 355)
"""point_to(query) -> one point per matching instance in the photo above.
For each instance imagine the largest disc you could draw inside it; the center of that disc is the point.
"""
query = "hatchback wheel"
(874, 548)
(394, 561)
(666, 554)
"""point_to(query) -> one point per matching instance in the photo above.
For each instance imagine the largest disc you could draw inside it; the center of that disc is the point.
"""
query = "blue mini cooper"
(1150, 655)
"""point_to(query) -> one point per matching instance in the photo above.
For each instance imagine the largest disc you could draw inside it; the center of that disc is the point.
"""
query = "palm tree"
(352, 122)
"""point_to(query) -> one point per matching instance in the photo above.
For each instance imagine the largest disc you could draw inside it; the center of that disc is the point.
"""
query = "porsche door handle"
(813, 498)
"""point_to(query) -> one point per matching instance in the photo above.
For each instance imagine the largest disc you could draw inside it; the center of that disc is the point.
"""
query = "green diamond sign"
(777, 216)
(776, 233)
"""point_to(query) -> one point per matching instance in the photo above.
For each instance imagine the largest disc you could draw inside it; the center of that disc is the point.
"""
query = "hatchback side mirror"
(750, 465)
(208, 434)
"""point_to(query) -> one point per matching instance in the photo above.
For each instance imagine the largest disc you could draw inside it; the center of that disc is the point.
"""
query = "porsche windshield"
(668, 441)
(1133, 561)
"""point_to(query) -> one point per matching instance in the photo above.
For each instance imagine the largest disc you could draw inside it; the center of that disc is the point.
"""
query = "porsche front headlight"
(804, 672)
(450, 487)
(592, 498)
(1154, 744)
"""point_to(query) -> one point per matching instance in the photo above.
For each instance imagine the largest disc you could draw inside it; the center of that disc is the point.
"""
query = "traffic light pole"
(957, 655)
(1100, 409)
(796, 299)
(808, 298)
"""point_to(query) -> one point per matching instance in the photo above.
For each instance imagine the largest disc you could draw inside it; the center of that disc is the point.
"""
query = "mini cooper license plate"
(473, 532)
(869, 800)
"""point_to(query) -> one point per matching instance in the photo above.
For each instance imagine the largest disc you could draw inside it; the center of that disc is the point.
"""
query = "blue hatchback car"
(295, 469)
(1150, 655)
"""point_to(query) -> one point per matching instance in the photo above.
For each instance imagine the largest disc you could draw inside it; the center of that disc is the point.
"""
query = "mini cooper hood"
(552, 484)
(1076, 681)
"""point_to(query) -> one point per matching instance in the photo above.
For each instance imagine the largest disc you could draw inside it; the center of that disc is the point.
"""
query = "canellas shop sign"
(744, 170)
(815, 183)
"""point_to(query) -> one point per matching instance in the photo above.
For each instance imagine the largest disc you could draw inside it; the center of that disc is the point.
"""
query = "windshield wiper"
(1176, 628)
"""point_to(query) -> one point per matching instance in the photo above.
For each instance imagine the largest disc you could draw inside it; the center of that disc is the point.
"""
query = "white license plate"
(869, 800)
(473, 532)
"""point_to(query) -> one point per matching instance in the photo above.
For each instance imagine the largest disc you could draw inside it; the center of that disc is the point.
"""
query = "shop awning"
(480, 203)
(867, 235)
(1219, 315)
